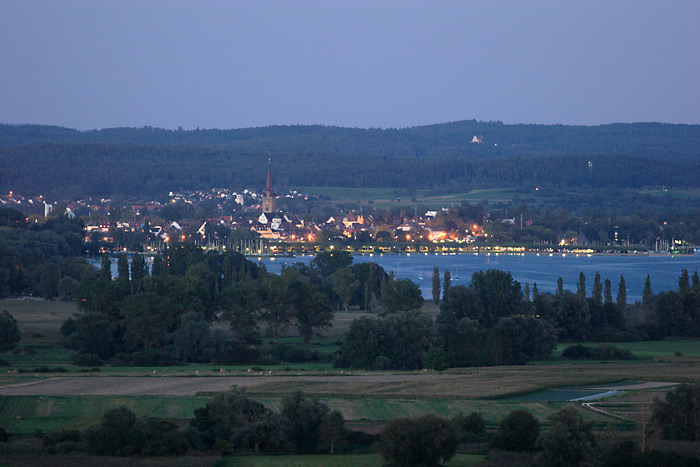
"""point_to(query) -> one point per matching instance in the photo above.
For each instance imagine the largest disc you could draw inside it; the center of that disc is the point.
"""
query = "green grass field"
(391, 197)
(23, 414)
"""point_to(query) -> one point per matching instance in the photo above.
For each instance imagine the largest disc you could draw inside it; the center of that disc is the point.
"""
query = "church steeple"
(268, 199)
(268, 185)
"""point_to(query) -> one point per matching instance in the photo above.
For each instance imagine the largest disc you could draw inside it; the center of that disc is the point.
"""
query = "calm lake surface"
(542, 269)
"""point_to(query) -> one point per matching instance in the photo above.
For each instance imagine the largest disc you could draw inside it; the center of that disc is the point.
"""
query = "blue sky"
(97, 64)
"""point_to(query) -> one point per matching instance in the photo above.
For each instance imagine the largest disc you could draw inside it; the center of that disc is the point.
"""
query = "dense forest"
(652, 140)
(65, 163)
(77, 170)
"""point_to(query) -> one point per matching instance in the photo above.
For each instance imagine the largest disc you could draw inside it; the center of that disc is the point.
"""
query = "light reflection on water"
(542, 269)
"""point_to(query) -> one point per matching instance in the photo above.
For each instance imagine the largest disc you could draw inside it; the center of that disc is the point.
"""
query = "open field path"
(186, 386)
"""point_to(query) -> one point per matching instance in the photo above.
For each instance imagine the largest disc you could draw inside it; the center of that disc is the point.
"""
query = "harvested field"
(475, 383)
(189, 386)
(38, 316)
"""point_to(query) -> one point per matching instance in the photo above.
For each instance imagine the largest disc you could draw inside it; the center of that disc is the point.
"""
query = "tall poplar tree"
(597, 289)
(647, 294)
(122, 266)
(581, 286)
(448, 284)
(622, 294)
(607, 294)
(436, 286)
(106, 267)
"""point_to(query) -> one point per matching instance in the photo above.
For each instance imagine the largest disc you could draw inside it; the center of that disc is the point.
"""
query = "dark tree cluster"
(396, 341)
(121, 433)
(232, 422)
(578, 317)
(424, 440)
(488, 323)
(9, 332)
(678, 312)
(164, 315)
(677, 416)
(40, 259)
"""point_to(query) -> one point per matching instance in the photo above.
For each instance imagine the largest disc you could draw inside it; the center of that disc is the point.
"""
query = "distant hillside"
(75, 170)
(649, 140)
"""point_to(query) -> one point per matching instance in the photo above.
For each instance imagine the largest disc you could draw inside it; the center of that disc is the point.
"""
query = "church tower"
(268, 199)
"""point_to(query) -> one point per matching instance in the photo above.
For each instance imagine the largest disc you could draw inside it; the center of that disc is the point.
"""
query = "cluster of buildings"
(258, 214)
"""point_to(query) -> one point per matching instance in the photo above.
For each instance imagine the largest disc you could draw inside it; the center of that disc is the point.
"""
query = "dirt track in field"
(184, 386)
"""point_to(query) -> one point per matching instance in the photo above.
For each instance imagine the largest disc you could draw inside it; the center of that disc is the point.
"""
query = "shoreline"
(495, 253)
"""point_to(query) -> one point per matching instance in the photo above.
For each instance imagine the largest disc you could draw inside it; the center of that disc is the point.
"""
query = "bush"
(609, 334)
(43, 369)
(302, 418)
(569, 441)
(93, 333)
(497, 458)
(517, 432)
(121, 433)
(86, 359)
(397, 342)
(149, 357)
(627, 454)
(359, 441)
(467, 425)
(425, 440)
(609, 352)
(285, 353)
(9, 332)
(67, 289)
(241, 423)
(236, 353)
(577, 352)
(601, 352)
(435, 359)
(678, 415)
(68, 327)
(61, 436)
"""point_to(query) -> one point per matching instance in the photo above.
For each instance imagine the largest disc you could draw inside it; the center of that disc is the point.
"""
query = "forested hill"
(75, 170)
(649, 140)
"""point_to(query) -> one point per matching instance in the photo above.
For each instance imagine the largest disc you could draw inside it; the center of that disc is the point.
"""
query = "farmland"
(76, 398)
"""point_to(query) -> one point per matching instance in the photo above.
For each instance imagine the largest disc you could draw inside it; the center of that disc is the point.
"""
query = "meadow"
(391, 197)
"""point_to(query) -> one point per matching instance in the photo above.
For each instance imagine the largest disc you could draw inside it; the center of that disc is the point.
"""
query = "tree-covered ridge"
(76, 170)
(655, 140)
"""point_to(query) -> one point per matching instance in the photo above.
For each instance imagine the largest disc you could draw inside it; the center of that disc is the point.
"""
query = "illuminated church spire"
(268, 199)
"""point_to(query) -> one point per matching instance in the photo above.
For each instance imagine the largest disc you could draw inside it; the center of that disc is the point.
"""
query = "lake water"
(542, 269)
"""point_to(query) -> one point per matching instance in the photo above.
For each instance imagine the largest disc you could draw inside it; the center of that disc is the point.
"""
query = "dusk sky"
(96, 64)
